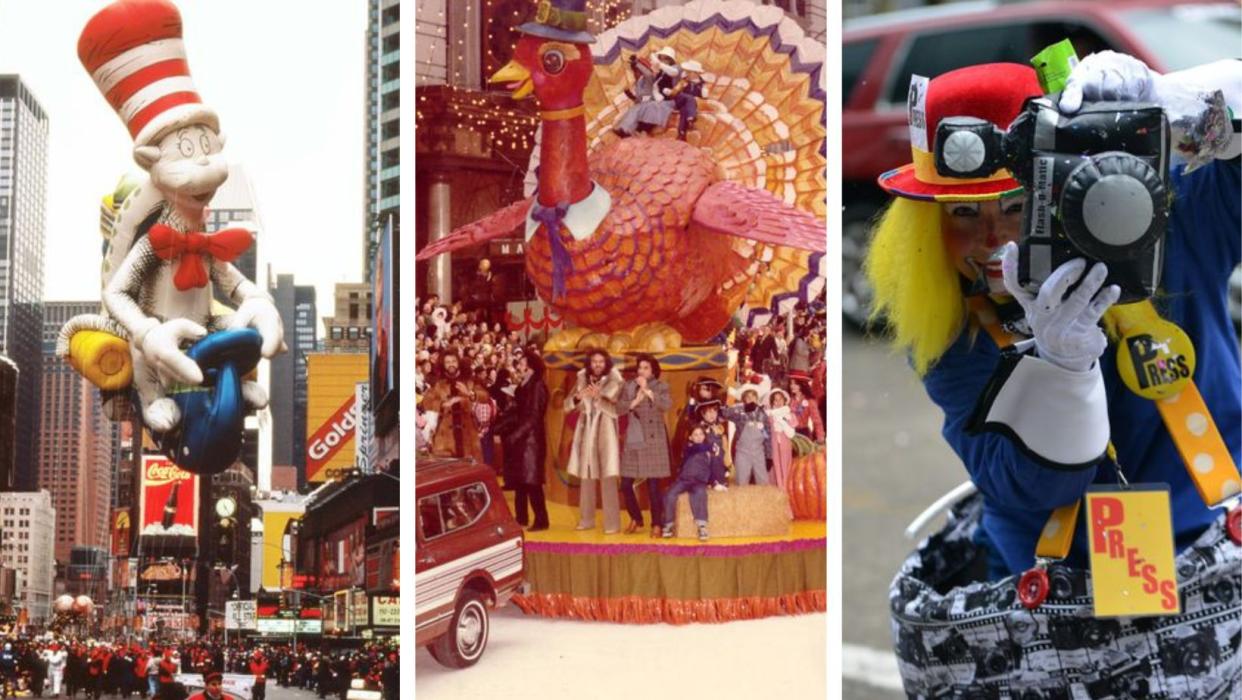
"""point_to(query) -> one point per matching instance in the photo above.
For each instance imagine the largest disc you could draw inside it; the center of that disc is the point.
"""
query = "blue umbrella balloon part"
(208, 439)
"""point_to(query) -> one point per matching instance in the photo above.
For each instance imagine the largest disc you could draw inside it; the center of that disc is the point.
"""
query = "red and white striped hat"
(134, 53)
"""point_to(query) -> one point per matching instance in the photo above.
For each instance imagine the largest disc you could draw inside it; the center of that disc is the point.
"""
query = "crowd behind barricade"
(480, 386)
(56, 667)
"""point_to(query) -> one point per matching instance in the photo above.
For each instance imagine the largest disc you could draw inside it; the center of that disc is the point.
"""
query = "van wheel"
(463, 644)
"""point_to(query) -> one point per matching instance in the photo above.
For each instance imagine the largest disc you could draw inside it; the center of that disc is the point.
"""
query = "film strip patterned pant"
(958, 638)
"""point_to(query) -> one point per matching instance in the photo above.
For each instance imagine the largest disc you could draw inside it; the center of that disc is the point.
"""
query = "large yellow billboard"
(331, 383)
(274, 525)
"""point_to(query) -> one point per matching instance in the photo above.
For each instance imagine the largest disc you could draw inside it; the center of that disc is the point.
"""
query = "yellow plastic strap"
(1207, 459)
(1058, 535)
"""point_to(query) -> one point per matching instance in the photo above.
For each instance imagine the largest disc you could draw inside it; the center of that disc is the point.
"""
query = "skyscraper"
(78, 449)
(235, 202)
(383, 94)
(23, 197)
(296, 305)
(29, 521)
(349, 330)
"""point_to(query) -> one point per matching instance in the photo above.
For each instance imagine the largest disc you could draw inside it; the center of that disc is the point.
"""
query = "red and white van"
(468, 558)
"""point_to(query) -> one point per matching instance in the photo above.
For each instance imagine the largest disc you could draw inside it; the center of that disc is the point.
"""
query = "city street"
(275, 692)
(541, 659)
(895, 465)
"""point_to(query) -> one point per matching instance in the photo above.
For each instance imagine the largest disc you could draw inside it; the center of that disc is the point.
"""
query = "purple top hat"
(563, 20)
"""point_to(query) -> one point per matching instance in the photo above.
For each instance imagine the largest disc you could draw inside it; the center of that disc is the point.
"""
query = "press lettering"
(1106, 513)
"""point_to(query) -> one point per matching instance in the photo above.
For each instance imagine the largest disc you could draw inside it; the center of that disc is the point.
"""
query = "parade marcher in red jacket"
(258, 666)
(214, 681)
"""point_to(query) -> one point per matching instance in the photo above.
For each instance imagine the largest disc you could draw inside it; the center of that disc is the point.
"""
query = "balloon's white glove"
(161, 347)
(1109, 76)
(260, 313)
(1067, 331)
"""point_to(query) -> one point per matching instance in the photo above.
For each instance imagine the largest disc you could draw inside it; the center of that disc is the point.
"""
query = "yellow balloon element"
(619, 343)
(1155, 358)
(593, 340)
(102, 358)
(564, 340)
(656, 337)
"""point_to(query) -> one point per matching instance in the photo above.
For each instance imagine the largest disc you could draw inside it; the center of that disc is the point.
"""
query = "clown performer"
(1036, 403)
(160, 267)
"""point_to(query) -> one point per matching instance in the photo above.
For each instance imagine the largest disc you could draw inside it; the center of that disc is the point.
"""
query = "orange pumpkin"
(807, 486)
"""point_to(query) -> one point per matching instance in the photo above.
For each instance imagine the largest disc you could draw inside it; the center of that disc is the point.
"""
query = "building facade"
(383, 185)
(23, 198)
(296, 305)
(27, 536)
(234, 203)
(349, 330)
(78, 446)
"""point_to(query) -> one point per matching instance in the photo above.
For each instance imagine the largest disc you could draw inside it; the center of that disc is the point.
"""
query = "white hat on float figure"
(667, 52)
(134, 52)
(692, 66)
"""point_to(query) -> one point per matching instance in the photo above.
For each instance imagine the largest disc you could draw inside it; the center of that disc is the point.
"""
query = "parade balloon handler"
(160, 268)
(1032, 386)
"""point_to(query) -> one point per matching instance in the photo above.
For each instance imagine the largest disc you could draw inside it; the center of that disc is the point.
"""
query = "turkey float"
(646, 242)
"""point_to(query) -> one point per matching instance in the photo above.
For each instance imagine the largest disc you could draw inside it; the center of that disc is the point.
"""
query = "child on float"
(782, 432)
(718, 435)
(700, 466)
(752, 443)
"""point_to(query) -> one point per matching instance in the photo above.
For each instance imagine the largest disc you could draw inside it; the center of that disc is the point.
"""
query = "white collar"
(583, 217)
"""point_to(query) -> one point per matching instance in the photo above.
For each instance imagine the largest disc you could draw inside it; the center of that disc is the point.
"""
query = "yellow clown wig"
(917, 288)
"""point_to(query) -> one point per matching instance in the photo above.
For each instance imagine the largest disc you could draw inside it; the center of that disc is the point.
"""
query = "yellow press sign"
(1131, 546)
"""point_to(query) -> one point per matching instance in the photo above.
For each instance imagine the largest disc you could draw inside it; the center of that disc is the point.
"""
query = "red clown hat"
(134, 53)
(992, 91)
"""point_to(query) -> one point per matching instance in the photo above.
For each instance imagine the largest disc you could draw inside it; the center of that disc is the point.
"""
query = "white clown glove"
(1197, 101)
(1067, 331)
(1109, 76)
(161, 347)
(260, 313)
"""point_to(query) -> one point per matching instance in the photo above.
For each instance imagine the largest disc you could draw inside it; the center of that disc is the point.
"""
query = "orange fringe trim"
(632, 610)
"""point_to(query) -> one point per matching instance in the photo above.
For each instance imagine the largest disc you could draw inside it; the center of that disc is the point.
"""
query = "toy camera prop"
(1097, 182)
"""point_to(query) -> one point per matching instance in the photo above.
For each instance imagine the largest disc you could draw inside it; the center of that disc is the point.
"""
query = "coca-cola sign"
(168, 499)
(164, 472)
(328, 440)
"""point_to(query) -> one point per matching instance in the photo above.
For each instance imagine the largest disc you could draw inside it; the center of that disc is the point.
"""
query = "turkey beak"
(517, 79)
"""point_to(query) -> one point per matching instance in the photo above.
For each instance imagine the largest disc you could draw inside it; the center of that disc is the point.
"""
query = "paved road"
(895, 465)
(534, 658)
(275, 692)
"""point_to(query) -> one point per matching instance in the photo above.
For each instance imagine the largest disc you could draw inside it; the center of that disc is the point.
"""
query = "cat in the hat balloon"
(160, 267)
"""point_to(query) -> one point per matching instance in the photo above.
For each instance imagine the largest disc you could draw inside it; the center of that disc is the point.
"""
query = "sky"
(288, 85)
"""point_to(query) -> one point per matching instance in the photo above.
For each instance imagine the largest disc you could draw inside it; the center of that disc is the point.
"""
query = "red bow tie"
(190, 247)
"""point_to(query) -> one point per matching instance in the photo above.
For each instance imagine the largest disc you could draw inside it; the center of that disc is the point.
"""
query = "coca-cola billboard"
(168, 502)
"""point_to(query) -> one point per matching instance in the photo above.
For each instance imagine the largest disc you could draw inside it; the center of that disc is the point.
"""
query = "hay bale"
(742, 511)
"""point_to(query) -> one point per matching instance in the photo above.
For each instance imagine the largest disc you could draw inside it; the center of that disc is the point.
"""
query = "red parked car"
(468, 558)
(881, 52)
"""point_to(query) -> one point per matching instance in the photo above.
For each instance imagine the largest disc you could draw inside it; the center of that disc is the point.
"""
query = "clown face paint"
(973, 231)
